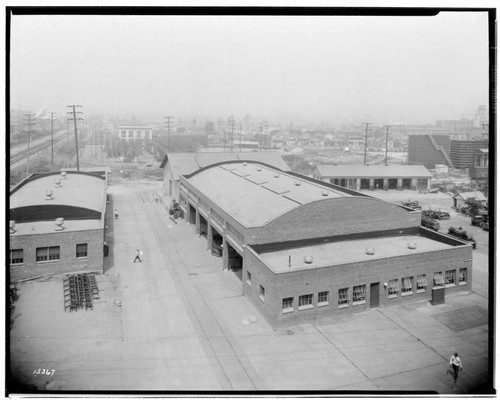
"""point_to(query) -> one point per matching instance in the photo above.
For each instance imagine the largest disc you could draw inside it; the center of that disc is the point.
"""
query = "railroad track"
(24, 153)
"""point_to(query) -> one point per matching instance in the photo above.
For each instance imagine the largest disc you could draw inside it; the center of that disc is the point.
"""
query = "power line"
(29, 118)
(74, 119)
(366, 139)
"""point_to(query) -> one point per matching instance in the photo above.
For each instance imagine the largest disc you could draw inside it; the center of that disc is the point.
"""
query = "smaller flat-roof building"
(373, 177)
(135, 132)
(57, 224)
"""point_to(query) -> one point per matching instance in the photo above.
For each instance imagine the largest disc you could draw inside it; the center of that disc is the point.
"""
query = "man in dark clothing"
(456, 363)
(137, 256)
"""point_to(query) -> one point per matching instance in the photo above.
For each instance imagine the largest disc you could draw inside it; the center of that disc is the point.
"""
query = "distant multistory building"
(429, 150)
(463, 152)
(479, 172)
(134, 132)
(481, 117)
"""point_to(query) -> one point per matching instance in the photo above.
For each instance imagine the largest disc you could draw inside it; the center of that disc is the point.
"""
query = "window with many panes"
(393, 288)
(358, 294)
(124, 134)
(343, 297)
(262, 293)
(450, 277)
(421, 283)
(287, 305)
(16, 256)
(249, 278)
(422, 182)
(81, 250)
(438, 279)
(462, 276)
(305, 301)
(323, 298)
(48, 253)
(407, 285)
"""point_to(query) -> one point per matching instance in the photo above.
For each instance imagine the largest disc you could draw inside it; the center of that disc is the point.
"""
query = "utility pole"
(240, 137)
(260, 135)
(386, 141)
(52, 134)
(29, 118)
(265, 136)
(168, 130)
(366, 138)
(231, 136)
(74, 119)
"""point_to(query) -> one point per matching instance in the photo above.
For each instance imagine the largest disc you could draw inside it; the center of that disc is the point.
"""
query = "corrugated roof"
(187, 163)
(374, 171)
(253, 195)
(78, 190)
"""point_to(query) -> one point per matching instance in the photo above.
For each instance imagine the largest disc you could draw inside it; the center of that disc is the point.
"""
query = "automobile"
(477, 220)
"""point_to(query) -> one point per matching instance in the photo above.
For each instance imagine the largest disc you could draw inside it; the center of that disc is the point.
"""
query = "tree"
(473, 205)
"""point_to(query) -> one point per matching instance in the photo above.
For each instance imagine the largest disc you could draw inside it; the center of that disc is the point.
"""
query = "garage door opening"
(406, 183)
(379, 183)
(203, 226)
(365, 184)
(343, 182)
(235, 262)
(393, 183)
(216, 249)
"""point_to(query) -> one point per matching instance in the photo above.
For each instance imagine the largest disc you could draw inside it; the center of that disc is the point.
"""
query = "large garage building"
(305, 249)
(373, 177)
(57, 224)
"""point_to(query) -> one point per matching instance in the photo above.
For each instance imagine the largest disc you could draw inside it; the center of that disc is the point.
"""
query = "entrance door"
(374, 295)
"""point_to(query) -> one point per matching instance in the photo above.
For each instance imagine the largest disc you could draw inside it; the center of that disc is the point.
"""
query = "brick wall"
(331, 279)
(333, 217)
(67, 263)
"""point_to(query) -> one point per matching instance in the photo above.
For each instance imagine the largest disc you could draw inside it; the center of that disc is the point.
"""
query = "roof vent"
(297, 183)
(412, 245)
(244, 164)
(48, 194)
(370, 251)
(58, 182)
(12, 225)
(63, 175)
(276, 175)
(59, 224)
(308, 259)
(324, 193)
(259, 169)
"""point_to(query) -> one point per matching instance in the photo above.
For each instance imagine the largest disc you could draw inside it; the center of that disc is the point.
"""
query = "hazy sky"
(413, 68)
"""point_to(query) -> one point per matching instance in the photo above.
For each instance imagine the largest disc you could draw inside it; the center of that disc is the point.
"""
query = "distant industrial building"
(135, 132)
(57, 224)
(429, 150)
(176, 164)
(305, 249)
(374, 177)
(463, 152)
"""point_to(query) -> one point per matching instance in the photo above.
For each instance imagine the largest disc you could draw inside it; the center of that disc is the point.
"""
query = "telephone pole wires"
(366, 139)
(74, 119)
(167, 124)
(29, 118)
(52, 135)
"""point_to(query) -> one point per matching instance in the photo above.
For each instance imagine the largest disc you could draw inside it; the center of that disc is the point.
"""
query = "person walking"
(456, 364)
(137, 256)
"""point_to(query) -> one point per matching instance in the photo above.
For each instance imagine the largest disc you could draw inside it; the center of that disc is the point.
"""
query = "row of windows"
(131, 134)
(49, 253)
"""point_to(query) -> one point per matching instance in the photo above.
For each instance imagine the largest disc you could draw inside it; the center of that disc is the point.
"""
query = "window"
(305, 301)
(358, 294)
(421, 283)
(450, 277)
(438, 279)
(16, 256)
(462, 276)
(422, 182)
(323, 298)
(407, 286)
(139, 134)
(81, 250)
(344, 297)
(124, 134)
(393, 288)
(47, 253)
(249, 278)
(262, 293)
(287, 304)
(130, 134)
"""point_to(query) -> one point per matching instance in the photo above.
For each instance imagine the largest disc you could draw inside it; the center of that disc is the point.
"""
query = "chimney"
(59, 224)
(48, 194)
(297, 183)
(324, 193)
(12, 225)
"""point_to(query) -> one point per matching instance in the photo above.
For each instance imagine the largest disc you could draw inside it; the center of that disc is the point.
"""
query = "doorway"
(235, 262)
(374, 295)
